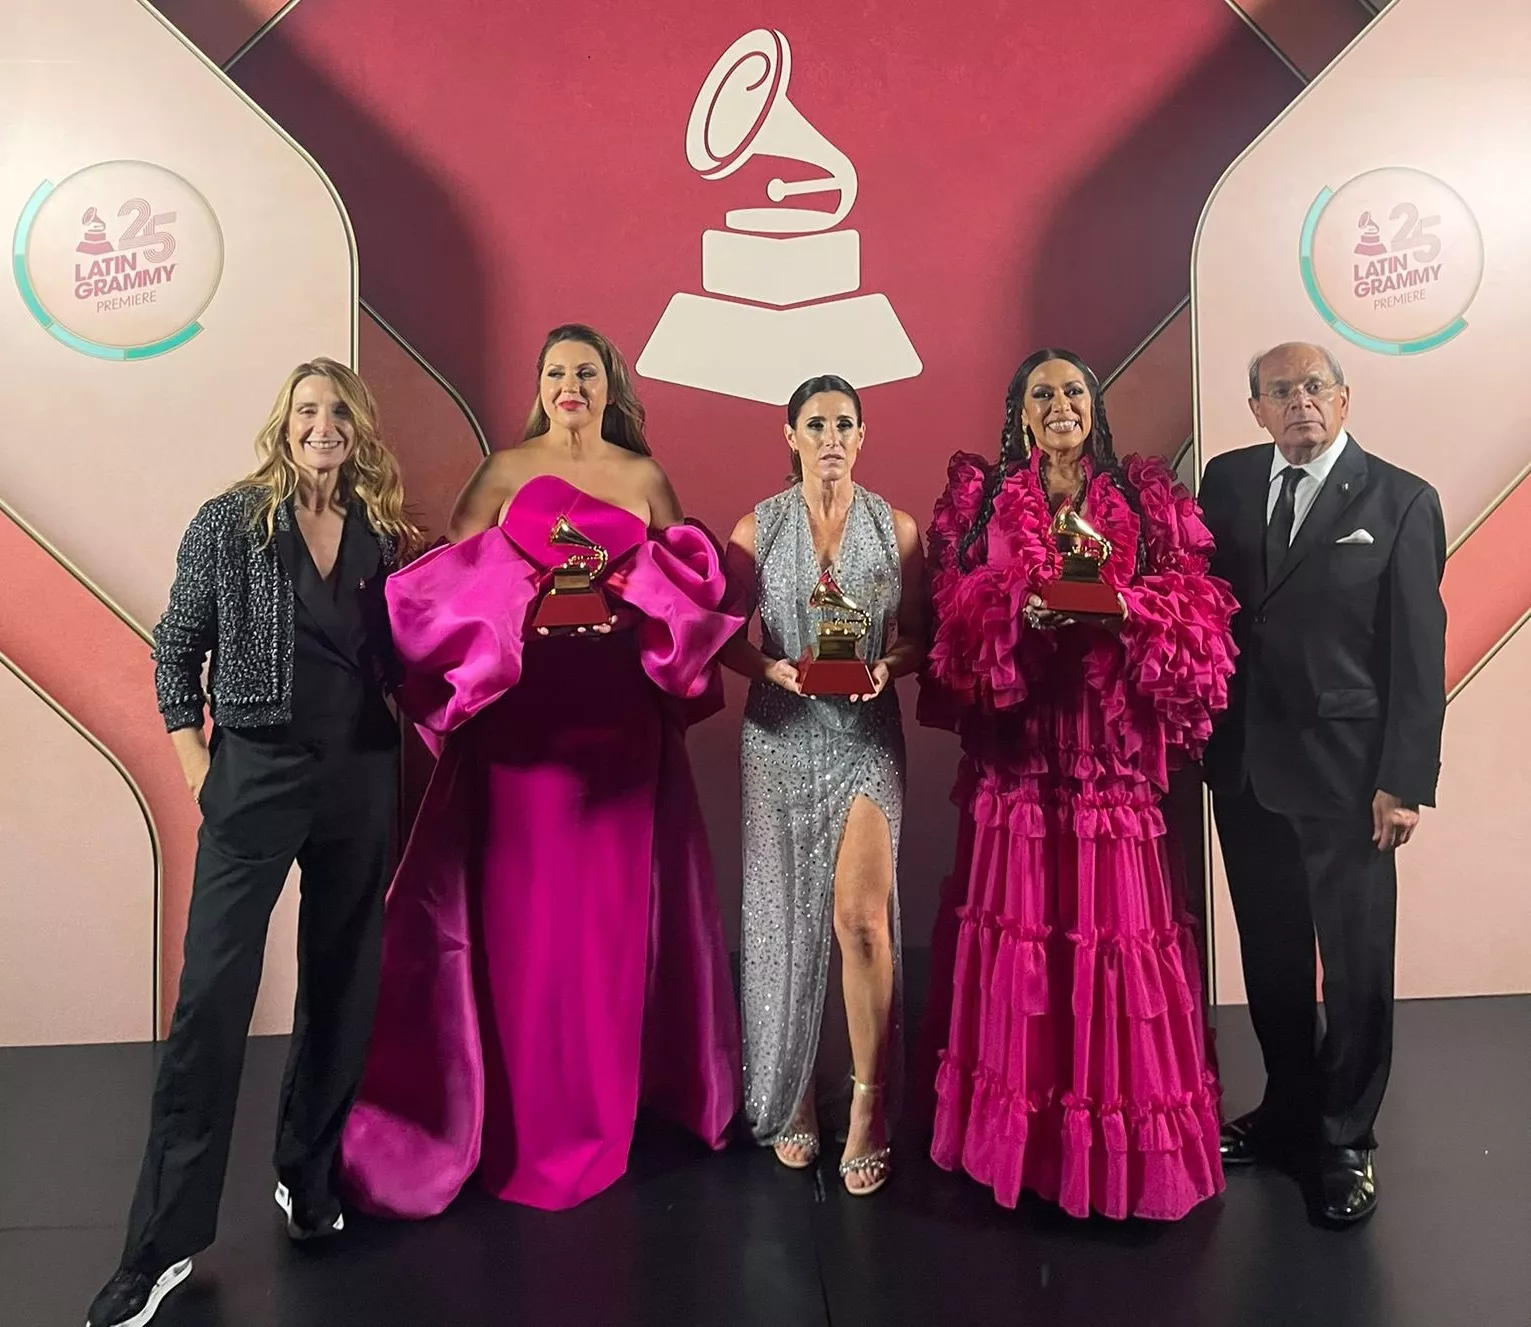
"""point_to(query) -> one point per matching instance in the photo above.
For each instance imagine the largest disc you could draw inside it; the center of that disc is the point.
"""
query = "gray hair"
(1333, 364)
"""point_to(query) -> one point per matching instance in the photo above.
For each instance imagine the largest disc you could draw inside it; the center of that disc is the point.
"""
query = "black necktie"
(1278, 531)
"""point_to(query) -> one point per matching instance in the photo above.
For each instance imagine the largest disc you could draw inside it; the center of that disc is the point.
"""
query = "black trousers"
(268, 801)
(1292, 878)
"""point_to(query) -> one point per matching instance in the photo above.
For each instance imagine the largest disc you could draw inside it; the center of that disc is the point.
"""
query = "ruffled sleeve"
(1177, 639)
(459, 620)
(979, 655)
(676, 580)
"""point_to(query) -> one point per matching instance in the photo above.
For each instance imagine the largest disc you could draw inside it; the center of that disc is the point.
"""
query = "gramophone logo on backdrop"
(780, 281)
(1392, 259)
(119, 260)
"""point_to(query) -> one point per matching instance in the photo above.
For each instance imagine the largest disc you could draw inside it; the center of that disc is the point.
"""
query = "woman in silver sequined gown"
(823, 783)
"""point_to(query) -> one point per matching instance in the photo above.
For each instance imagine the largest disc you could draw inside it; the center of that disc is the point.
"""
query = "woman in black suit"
(280, 580)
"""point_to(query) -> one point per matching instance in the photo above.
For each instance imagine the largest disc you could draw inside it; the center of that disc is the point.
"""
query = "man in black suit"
(1330, 745)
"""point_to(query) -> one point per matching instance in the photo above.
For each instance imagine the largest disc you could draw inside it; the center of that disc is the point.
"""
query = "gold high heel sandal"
(877, 1165)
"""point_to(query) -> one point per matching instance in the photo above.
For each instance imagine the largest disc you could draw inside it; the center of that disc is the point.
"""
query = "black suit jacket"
(358, 628)
(1340, 688)
(355, 626)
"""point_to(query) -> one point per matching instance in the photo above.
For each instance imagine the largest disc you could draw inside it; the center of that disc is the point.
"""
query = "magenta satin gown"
(553, 955)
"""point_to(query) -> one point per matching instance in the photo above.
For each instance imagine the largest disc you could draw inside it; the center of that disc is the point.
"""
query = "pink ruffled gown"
(552, 955)
(1065, 1029)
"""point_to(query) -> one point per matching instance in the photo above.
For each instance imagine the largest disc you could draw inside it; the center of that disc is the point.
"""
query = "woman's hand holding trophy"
(834, 666)
(573, 604)
(1079, 594)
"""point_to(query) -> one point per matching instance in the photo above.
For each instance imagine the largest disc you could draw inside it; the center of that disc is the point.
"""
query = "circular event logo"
(119, 260)
(1392, 259)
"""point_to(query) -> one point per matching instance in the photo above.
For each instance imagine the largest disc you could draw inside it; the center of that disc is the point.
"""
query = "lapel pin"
(1345, 487)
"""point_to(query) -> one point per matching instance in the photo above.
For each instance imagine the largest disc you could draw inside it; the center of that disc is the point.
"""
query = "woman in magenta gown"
(553, 957)
(1066, 1013)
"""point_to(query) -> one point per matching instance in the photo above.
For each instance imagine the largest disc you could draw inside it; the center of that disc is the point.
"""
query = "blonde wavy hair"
(370, 474)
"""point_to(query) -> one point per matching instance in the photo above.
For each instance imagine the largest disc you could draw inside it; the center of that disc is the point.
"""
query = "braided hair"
(1014, 450)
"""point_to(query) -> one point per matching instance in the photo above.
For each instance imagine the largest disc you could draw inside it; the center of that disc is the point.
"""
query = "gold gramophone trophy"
(834, 666)
(1080, 592)
(572, 600)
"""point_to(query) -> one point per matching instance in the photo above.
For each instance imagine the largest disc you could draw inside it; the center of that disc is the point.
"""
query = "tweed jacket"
(232, 598)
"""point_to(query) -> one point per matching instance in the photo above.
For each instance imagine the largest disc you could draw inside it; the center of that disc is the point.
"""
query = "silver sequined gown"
(802, 762)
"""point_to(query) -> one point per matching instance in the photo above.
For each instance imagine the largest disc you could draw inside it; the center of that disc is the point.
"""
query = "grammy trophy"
(1079, 592)
(572, 600)
(834, 666)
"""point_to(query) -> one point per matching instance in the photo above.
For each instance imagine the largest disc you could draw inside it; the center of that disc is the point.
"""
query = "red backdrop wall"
(509, 167)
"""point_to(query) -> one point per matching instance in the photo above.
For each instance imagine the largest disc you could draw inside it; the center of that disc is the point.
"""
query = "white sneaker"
(130, 1298)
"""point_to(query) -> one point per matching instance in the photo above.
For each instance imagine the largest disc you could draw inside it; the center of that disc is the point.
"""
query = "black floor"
(734, 1240)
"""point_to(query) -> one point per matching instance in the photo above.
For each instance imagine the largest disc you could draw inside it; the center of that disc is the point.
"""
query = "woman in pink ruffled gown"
(553, 956)
(1066, 1012)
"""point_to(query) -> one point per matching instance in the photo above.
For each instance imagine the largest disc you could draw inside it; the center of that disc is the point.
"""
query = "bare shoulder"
(650, 479)
(500, 474)
(634, 466)
(510, 464)
(743, 535)
(481, 503)
(498, 471)
(905, 528)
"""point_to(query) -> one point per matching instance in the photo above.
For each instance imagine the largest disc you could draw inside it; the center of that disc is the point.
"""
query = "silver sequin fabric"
(802, 763)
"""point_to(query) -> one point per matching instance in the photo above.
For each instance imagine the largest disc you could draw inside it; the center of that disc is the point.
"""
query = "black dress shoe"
(1349, 1185)
(1246, 1140)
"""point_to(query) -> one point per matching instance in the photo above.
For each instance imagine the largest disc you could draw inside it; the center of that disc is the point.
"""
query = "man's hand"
(1393, 823)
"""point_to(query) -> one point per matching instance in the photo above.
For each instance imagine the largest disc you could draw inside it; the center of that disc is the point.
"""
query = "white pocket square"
(1357, 537)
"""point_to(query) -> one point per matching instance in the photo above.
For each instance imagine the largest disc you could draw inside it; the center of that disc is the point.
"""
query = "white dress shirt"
(1314, 473)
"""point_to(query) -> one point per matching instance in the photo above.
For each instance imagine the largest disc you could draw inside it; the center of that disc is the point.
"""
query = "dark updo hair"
(825, 382)
(1014, 448)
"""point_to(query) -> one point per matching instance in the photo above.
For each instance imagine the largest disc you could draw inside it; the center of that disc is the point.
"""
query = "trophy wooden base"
(570, 609)
(823, 675)
(1082, 598)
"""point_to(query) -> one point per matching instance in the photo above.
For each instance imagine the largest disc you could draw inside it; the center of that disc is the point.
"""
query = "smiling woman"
(323, 435)
(280, 581)
(553, 952)
(585, 381)
(1064, 1029)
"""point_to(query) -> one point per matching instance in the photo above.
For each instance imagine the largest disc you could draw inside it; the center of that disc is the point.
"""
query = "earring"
(1027, 442)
